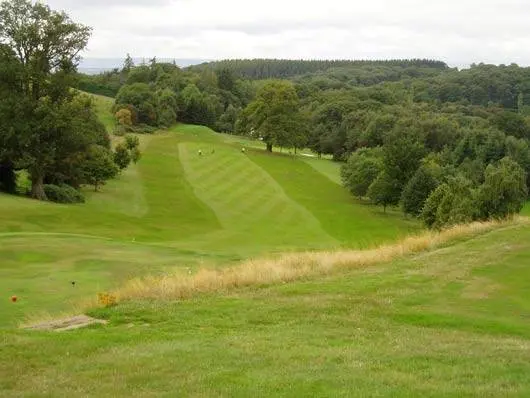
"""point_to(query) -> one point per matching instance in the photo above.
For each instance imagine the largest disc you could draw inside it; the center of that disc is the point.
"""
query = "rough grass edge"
(294, 266)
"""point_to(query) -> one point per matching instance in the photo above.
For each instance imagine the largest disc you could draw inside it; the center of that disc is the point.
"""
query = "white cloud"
(456, 31)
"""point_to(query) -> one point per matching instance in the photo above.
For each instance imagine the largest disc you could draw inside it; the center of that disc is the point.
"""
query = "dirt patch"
(61, 325)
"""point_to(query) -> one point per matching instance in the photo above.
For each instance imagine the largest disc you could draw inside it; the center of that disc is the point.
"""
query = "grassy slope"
(352, 223)
(327, 167)
(173, 209)
(103, 107)
(452, 322)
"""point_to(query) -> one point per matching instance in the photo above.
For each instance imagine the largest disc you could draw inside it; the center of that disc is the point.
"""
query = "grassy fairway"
(451, 322)
(352, 223)
(175, 209)
(103, 107)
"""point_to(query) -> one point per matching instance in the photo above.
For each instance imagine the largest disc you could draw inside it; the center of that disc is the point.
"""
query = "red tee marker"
(14, 299)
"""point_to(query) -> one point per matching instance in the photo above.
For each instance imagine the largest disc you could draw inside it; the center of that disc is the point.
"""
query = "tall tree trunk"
(269, 147)
(8, 178)
(37, 186)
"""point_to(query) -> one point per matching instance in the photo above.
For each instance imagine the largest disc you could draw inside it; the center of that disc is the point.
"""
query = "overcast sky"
(458, 32)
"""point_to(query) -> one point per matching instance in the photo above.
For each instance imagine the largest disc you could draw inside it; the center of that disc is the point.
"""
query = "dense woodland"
(446, 145)
(364, 72)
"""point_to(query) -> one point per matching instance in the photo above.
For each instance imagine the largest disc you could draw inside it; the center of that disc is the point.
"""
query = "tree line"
(157, 95)
(443, 162)
(260, 69)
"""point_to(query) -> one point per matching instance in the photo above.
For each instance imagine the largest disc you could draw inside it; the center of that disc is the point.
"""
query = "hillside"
(262, 227)
(177, 209)
(448, 321)
(453, 322)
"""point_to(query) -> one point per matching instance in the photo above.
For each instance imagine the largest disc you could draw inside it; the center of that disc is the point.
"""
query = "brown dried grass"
(293, 266)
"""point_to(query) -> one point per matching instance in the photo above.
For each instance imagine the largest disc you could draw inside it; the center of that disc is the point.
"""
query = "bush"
(132, 141)
(121, 130)
(143, 129)
(136, 155)
(122, 158)
(63, 194)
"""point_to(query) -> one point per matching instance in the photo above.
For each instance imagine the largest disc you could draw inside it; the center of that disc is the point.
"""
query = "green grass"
(176, 209)
(452, 322)
(327, 167)
(103, 106)
(349, 221)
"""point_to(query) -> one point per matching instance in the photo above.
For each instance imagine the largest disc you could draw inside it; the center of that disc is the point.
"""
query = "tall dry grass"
(293, 266)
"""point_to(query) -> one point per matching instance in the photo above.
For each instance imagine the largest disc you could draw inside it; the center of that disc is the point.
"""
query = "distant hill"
(393, 69)
(94, 66)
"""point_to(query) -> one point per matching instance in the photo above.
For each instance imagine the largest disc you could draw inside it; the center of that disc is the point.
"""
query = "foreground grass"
(449, 322)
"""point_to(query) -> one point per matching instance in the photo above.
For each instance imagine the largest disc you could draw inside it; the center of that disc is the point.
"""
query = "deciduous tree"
(361, 169)
(274, 113)
(122, 157)
(504, 191)
(46, 45)
(99, 166)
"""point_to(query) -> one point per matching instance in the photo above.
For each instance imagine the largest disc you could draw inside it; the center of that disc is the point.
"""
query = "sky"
(458, 32)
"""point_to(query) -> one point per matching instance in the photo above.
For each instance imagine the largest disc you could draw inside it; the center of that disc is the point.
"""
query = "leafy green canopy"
(274, 115)
(46, 128)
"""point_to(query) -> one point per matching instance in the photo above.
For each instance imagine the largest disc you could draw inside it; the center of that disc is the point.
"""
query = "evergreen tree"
(419, 187)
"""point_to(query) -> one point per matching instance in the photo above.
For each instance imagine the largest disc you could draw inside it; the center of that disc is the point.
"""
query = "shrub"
(124, 117)
(122, 158)
(107, 299)
(136, 155)
(143, 129)
(121, 130)
(132, 141)
(63, 194)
